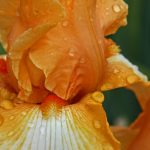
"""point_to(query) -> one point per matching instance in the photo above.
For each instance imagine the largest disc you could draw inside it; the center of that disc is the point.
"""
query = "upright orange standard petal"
(69, 55)
(59, 47)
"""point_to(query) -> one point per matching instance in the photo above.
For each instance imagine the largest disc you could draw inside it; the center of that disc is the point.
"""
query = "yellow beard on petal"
(84, 124)
(52, 105)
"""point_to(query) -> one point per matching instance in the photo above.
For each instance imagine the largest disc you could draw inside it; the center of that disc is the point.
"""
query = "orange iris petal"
(3, 66)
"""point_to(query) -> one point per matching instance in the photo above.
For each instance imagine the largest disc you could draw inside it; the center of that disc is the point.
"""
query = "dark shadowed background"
(121, 105)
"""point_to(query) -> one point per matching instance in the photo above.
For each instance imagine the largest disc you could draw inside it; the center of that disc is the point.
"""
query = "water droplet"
(6, 104)
(80, 18)
(9, 53)
(106, 86)
(99, 42)
(121, 121)
(71, 52)
(131, 79)
(24, 113)
(69, 2)
(97, 124)
(103, 1)
(11, 117)
(120, 77)
(116, 71)
(42, 130)
(97, 6)
(82, 60)
(91, 19)
(1, 120)
(98, 96)
(116, 8)
(107, 13)
(61, 15)
(51, 53)
(2, 12)
(12, 96)
(17, 101)
(30, 125)
(17, 14)
(63, 119)
(65, 39)
(10, 133)
(65, 23)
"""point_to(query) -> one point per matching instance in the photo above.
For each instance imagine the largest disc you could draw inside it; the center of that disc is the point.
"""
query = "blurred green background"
(121, 105)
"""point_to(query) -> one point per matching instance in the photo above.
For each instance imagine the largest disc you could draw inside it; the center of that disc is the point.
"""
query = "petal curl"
(142, 91)
(112, 14)
(137, 135)
(121, 73)
(125, 136)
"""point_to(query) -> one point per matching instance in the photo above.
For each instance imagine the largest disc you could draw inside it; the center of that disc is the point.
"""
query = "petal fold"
(69, 67)
(125, 136)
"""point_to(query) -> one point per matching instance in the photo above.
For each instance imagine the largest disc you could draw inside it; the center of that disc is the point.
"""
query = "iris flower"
(58, 63)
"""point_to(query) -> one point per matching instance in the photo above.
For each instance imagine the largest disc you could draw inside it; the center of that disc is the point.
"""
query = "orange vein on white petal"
(70, 128)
